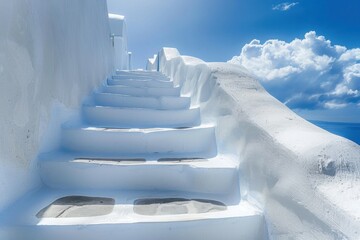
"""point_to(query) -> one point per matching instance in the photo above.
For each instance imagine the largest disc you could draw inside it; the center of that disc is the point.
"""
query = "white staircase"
(140, 165)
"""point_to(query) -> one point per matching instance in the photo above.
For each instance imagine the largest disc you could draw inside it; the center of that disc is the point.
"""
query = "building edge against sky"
(122, 58)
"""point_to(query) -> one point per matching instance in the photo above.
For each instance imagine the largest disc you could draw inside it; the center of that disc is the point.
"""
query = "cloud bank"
(308, 73)
(285, 6)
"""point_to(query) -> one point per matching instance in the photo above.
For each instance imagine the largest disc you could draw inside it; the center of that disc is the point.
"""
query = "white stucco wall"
(118, 31)
(52, 53)
(305, 178)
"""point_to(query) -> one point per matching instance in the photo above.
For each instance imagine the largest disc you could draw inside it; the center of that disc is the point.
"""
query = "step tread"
(140, 75)
(142, 91)
(144, 109)
(138, 72)
(151, 102)
(140, 80)
(25, 211)
(220, 161)
(198, 141)
(145, 97)
(143, 82)
(72, 171)
(142, 87)
(81, 126)
(141, 97)
(138, 117)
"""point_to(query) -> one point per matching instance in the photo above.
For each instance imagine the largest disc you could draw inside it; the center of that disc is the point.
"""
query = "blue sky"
(217, 30)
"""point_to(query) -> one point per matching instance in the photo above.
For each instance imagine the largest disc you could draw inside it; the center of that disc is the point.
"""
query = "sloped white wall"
(52, 52)
(305, 179)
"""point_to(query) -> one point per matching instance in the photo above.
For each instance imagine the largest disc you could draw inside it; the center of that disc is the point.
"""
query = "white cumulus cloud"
(308, 73)
(285, 6)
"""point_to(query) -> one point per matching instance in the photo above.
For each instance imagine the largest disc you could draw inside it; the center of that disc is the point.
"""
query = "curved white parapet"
(305, 179)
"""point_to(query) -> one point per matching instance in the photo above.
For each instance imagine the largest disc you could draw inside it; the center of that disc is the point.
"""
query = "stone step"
(119, 100)
(191, 142)
(139, 74)
(102, 116)
(130, 215)
(141, 77)
(142, 92)
(217, 175)
(141, 83)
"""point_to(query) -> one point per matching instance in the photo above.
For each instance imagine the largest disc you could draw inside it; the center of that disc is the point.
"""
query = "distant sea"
(348, 130)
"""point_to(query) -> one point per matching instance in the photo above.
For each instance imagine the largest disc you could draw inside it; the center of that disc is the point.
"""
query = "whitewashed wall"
(306, 179)
(118, 32)
(52, 53)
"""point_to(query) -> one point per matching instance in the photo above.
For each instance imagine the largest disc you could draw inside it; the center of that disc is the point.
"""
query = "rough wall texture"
(51, 52)
(305, 179)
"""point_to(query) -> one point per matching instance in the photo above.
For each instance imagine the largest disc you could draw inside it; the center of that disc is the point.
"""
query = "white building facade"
(122, 57)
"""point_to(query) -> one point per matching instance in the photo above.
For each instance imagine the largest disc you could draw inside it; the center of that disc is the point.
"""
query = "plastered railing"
(287, 164)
